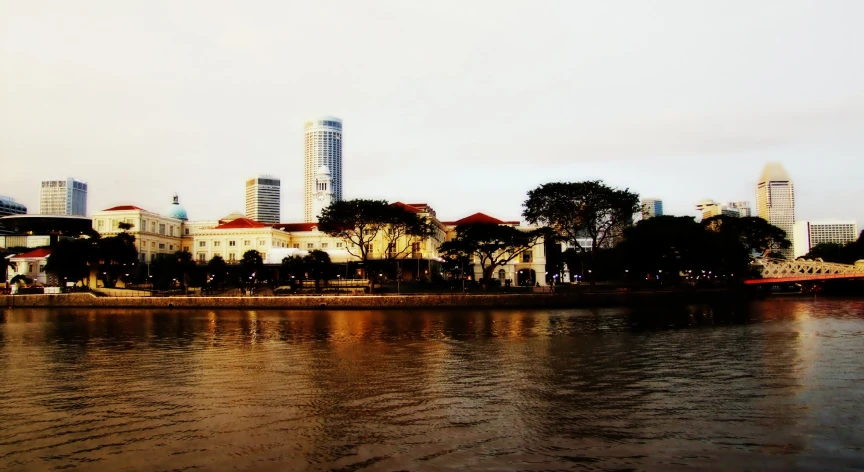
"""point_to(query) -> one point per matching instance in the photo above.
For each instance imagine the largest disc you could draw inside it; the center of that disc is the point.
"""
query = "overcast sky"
(465, 105)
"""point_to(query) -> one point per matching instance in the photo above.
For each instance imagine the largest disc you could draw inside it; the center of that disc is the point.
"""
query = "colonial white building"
(30, 264)
(154, 233)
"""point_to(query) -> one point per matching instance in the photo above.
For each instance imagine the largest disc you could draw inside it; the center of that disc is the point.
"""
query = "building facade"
(807, 234)
(263, 199)
(651, 207)
(30, 264)
(743, 208)
(323, 192)
(154, 234)
(63, 197)
(775, 200)
(8, 206)
(323, 148)
(710, 208)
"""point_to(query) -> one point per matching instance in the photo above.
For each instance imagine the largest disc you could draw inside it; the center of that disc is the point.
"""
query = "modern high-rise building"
(775, 200)
(810, 233)
(651, 207)
(710, 208)
(8, 206)
(743, 208)
(323, 148)
(63, 197)
(263, 199)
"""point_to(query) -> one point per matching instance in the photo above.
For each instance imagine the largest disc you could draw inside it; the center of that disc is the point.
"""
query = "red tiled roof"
(124, 207)
(411, 208)
(479, 218)
(295, 227)
(35, 254)
(418, 205)
(241, 223)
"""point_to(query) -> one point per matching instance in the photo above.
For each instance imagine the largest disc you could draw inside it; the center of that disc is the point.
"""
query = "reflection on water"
(774, 386)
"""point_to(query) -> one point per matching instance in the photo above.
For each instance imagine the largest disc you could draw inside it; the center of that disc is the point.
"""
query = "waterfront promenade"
(544, 300)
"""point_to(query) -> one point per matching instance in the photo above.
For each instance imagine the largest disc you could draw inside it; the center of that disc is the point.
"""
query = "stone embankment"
(569, 300)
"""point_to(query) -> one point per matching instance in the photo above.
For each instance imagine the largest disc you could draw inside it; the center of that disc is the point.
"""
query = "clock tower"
(323, 195)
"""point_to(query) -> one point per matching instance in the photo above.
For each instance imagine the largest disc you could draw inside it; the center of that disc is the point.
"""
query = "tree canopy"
(576, 210)
(492, 245)
(252, 265)
(71, 259)
(755, 234)
(359, 222)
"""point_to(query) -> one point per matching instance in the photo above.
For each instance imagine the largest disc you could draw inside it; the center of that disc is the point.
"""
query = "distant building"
(154, 233)
(263, 199)
(33, 231)
(710, 208)
(775, 200)
(63, 197)
(807, 234)
(651, 207)
(323, 148)
(743, 208)
(8, 206)
(323, 192)
(30, 264)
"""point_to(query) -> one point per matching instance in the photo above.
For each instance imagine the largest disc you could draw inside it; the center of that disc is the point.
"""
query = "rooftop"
(241, 223)
(34, 254)
(480, 218)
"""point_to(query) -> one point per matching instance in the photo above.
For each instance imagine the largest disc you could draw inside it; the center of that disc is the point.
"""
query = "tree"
(318, 267)
(72, 259)
(117, 255)
(217, 269)
(293, 270)
(125, 226)
(357, 222)
(402, 223)
(252, 265)
(169, 268)
(492, 245)
(577, 210)
(755, 234)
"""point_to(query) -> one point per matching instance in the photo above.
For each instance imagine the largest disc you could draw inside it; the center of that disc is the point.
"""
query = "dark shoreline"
(363, 302)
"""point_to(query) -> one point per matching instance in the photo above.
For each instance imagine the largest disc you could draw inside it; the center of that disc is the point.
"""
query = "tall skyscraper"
(651, 207)
(810, 233)
(263, 199)
(323, 148)
(63, 197)
(775, 200)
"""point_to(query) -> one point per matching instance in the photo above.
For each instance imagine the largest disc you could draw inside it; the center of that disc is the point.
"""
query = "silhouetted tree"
(357, 222)
(252, 265)
(576, 210)
(403, 224)
(217, 270)
(71, 259)
(492, 245)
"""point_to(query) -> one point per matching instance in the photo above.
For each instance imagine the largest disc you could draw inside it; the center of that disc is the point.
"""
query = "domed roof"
(323, 170)
(176, 211)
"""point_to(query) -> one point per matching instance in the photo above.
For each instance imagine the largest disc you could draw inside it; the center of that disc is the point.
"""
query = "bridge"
(778, 271)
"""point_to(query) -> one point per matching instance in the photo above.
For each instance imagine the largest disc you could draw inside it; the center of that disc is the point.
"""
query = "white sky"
(465, 105)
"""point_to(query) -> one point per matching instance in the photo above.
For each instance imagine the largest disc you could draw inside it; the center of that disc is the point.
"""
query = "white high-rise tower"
(323, 148)
(775, 200)
(323, 192)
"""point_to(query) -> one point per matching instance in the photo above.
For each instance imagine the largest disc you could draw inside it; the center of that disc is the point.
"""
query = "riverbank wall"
(546, 300)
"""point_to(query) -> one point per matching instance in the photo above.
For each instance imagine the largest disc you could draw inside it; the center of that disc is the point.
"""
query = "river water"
(776, 385)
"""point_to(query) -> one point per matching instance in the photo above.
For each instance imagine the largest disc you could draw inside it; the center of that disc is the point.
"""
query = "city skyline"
(471, 124)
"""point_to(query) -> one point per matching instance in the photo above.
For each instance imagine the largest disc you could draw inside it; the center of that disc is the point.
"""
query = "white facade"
(807, 234)
(30, 264)
(154, 234)
(323, 191)
(775, 200)
(63, 197)
(651, 207)
(323, 147)
(743, 208)
(263, 199)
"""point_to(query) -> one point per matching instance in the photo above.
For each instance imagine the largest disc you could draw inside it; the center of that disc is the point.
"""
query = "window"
(185, 248)
(217, 243)
(202, 257)
(161, 229)
(296, 246)
(143, 257)
(323, 245)
(187, 230)
(153, 227)
(232, 257)
(100, 224)
(170, 247)
(338, 244)
(310, 246)
(41, 267)
(202, 243)
(261, 243)
(232, 243)
(171, 232)
(526, 256)
(153, 244)
(161, 245)
(247, 243)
